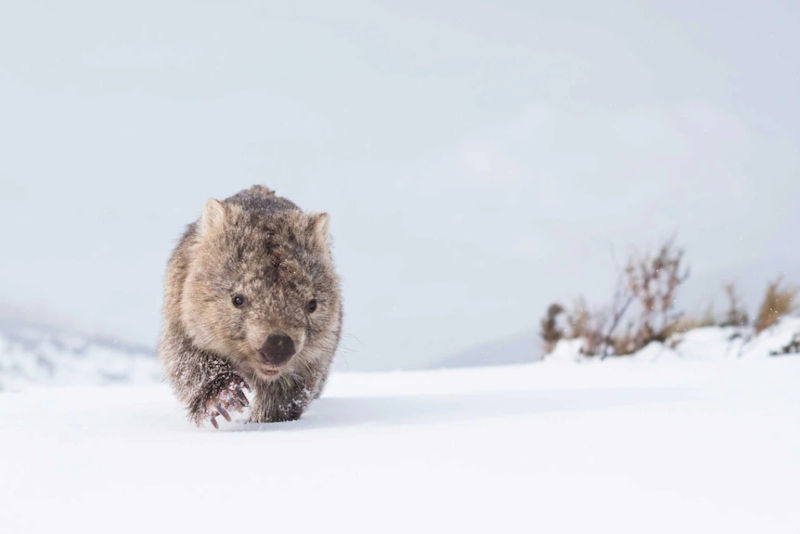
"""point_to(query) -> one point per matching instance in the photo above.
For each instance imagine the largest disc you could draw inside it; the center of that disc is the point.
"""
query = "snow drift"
(37, 354)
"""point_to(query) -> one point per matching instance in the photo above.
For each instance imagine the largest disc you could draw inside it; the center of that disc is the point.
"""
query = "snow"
(669, 446)
(38, 354)
(698, 435)
(700, 344)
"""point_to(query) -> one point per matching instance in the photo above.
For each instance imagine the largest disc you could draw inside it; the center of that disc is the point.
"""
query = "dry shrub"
(643, 309)
(690, 322)
(579, 319)
(551, 333)
(581, 324)
(650, 284)
(778, 301)
(705, 320)
(736, 314)
(587, 325)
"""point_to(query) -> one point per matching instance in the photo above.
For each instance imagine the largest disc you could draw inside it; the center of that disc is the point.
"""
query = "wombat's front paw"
(222, 395)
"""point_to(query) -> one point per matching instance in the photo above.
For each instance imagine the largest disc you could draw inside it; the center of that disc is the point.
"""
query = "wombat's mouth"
(268, 373)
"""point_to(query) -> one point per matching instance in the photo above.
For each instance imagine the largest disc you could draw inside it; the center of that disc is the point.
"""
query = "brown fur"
(262, 247)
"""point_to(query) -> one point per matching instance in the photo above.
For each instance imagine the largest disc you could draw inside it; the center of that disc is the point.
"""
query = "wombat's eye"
(238, 301)
(311, 306)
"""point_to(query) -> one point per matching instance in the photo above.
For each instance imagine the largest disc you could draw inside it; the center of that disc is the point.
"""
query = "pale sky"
(478, 159)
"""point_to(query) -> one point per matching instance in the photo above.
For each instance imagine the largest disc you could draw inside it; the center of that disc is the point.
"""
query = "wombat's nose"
(277, 349)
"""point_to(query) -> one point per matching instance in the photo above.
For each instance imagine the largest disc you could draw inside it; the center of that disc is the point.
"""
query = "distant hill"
(524, 347)
(33, 354)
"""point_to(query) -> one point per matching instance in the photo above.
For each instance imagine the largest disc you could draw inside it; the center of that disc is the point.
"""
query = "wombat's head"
(261, 288)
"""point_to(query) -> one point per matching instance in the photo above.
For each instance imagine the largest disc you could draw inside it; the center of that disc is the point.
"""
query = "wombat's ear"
(319, 228)
(213, 219)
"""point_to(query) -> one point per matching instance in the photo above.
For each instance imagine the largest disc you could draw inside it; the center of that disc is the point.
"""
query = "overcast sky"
(478, 159)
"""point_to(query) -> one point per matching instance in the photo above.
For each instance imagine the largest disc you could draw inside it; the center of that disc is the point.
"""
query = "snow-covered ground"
(674, 446)
(39, 354)
(700, 435)
(700, 344)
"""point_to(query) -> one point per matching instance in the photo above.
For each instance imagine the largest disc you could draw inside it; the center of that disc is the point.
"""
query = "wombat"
(252, 301)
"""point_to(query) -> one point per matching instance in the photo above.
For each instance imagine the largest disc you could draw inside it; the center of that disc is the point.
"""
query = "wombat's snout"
(277, 349)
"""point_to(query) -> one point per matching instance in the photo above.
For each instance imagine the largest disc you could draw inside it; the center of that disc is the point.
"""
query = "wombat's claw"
(224, 413)
(231, 397)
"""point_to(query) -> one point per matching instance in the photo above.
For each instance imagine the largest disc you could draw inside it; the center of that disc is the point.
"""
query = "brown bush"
(707, 319)
(650, 283)
(643, 308)
(778, 301)
(587, 325)
(550, 332)
(736, 314)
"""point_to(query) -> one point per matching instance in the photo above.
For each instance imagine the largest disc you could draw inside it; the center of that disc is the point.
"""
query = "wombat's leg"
(206, 383)
(280, 400)
(219, 396)
(271, 411)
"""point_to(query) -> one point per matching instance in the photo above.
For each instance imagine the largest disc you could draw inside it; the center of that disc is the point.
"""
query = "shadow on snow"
(340, 412)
